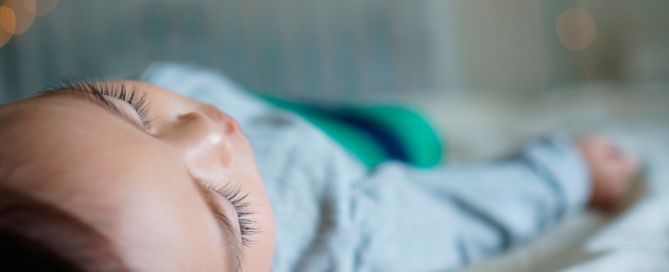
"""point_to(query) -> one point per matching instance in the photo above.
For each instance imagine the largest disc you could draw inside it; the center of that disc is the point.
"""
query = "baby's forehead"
(66, 150)
(57, 134)
(43, 108)
(33, 122)
(55, 112)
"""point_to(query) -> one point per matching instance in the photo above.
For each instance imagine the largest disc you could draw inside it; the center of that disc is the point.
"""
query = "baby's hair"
(36, 236)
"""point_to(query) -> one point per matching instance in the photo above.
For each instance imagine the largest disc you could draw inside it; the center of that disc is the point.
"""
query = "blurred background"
(480, 68)
(341, 50)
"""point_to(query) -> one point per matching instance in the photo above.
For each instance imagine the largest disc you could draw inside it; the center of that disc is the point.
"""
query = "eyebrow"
(88, 94)
(231, 242)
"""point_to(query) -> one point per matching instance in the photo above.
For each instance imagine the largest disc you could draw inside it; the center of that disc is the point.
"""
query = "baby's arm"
(472, 212)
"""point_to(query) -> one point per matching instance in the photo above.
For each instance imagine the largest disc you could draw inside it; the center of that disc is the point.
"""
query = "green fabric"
(366, 148)
(414, 130)
(417, 137)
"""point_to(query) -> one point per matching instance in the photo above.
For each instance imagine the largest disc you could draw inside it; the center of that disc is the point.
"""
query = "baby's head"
(162, 182)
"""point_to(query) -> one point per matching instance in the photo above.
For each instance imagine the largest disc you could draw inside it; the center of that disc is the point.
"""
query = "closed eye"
(99, 91)
(247, 226)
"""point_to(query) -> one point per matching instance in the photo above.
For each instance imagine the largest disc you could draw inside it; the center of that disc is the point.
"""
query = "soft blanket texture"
(636, 116)
(333, 214)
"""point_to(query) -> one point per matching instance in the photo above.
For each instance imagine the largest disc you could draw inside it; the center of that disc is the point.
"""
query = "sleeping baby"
(183, 171)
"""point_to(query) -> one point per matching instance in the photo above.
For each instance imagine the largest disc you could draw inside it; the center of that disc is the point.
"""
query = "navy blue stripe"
(393, 146)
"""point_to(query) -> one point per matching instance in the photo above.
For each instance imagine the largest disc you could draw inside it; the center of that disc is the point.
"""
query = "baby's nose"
(203, 139)
(224, 121)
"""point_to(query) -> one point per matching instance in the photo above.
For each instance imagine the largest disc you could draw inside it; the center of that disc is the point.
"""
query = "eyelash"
(238, 200)
(137, 101)
(99, 89)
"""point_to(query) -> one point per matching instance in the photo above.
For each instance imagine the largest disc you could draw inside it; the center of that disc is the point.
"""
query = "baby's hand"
(611, 170)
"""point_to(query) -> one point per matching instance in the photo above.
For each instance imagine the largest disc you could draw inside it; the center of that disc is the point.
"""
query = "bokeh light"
(24, 11)
(7, 24)
(44, 6)
(576, 29)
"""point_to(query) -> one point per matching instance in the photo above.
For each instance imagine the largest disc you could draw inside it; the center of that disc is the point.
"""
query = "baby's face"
(172, 183)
